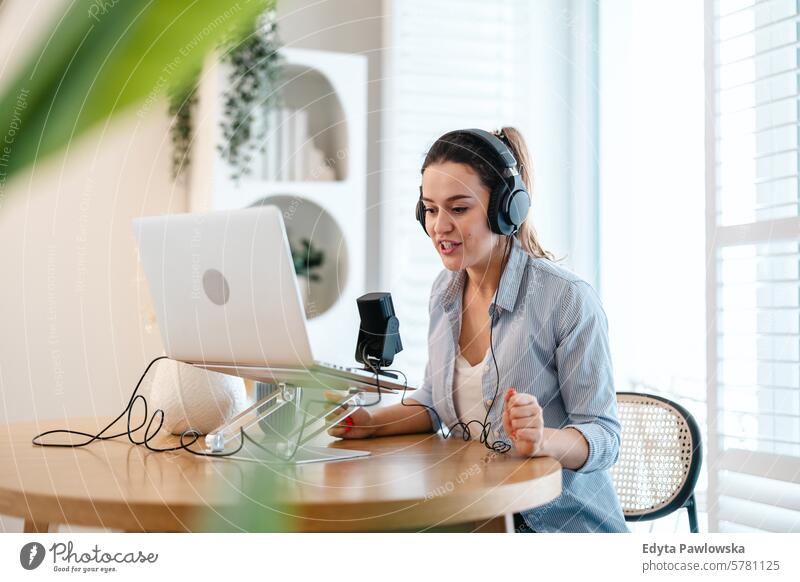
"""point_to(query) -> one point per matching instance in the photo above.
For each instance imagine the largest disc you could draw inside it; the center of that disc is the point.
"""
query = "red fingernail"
(514, 434)
(348, 428)
(349, 420)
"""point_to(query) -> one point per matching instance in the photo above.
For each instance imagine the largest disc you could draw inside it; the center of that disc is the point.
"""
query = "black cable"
(376, 369)
(147, 433)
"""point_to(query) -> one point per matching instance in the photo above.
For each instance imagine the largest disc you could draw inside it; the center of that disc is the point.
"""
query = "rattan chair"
(659, 458)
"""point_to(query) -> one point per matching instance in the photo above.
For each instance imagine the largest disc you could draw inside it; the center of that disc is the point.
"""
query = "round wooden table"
(409, 483)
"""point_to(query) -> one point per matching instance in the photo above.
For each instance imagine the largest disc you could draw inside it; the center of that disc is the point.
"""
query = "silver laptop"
(227, 299)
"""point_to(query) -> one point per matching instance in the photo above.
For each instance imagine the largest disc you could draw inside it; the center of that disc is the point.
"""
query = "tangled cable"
(149, 436)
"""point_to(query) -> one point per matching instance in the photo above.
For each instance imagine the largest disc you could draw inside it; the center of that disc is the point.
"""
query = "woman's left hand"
(522, 420)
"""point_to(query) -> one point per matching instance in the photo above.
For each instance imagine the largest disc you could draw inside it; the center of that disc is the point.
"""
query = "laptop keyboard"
(361, 372)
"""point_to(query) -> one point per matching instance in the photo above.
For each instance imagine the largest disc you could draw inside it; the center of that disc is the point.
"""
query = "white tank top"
(467, 393)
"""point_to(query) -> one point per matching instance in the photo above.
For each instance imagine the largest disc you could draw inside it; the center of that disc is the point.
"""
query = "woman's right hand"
(358, 425)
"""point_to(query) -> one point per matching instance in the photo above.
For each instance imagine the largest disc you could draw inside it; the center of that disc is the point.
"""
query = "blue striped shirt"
(550, 340)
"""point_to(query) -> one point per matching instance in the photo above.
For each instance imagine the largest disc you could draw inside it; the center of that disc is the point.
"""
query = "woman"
(522, 322)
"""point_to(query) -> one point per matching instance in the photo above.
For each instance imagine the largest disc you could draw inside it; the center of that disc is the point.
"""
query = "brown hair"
(465, 148)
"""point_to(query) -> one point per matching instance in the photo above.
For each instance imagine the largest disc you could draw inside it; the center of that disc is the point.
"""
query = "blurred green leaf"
(102, 58)
(253, 504)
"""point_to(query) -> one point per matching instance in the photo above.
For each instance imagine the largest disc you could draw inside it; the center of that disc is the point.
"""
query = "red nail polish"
(514, 434)
(348, 428)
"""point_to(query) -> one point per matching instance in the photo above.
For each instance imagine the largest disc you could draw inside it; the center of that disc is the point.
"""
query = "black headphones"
(509, 202)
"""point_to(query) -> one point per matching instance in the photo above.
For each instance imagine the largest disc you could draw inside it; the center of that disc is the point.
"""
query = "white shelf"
(249, 192)
(332, 87)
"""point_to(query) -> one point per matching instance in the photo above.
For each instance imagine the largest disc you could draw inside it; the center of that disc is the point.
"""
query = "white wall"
(74, 333)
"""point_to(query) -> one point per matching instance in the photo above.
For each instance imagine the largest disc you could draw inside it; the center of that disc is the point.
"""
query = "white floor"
(14, 525)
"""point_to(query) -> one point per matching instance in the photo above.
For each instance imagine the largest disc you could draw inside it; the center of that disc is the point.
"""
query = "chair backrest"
(660, 456)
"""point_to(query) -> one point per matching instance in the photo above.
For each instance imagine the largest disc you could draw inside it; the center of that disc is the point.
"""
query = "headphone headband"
(502, 151)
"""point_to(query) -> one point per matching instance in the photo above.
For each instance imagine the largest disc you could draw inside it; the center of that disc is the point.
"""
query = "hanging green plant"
(181, 106)
(256, 67)
(255, 70)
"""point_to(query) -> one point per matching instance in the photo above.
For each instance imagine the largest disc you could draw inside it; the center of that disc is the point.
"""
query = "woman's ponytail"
(527, 233)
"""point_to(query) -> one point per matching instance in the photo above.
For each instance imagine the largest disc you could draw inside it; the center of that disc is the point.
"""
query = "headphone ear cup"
(421, 215)
(493, 212)
(519, 203)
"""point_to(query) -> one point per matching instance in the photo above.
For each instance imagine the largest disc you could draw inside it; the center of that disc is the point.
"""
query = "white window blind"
(753, 276)
(449, 64)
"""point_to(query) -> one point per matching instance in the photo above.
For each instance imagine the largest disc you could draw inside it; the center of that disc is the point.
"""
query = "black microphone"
(379, 333)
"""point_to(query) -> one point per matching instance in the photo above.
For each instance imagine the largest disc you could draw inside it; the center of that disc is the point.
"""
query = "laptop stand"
(278, 427)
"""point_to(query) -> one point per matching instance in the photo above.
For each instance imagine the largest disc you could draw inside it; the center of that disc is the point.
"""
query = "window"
(753, 278)
(652, 206)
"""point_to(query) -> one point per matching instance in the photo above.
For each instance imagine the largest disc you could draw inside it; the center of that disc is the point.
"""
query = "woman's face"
(455, 202)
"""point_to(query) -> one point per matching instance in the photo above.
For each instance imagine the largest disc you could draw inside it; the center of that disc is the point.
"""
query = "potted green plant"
(307, 259)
